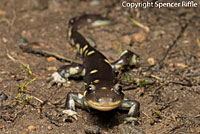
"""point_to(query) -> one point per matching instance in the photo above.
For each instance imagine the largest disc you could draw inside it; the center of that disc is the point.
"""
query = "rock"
(1, 126)
(3, 96)
(92, 130)
(2, 12)
(26, 35)
(31, 127)
(130, 129)
(126, 39)
(151, 61)
(4, 40)
(52, 68)
(94, 3)
(49, 128)
(22, 40)
(139, 37)
(51, 59)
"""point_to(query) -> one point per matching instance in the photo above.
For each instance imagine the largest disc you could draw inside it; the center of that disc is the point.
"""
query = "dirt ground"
(167, 82)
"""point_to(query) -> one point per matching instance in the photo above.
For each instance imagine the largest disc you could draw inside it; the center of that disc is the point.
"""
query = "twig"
(148, 116)
(10, 57)
(46, 54)
(140, 25)
(173, 44)
(167, 105)
(198, 42)
(14, 18)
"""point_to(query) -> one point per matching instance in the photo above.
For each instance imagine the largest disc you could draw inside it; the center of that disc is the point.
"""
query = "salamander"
(102, 89)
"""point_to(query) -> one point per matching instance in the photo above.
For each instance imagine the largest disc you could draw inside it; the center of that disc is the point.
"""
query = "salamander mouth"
(104, 106)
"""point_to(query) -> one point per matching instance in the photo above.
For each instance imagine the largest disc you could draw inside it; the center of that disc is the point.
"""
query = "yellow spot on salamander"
(77, 46)
(81, 51)
(93, 71)
(118, 66)
(107, 61)
(69, 32)
(72, 41)
(124, 52)
(85, 53)
(96, 81)
(85, 47)
(91, 52)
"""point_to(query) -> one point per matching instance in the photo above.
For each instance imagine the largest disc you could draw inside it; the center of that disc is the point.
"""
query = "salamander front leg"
(127, 58)
(134, 109)
(66, 71)
(73, 99)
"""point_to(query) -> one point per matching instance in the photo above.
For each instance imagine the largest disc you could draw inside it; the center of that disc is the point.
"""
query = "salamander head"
(103, 97)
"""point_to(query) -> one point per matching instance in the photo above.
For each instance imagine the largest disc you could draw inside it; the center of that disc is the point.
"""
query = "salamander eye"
(72, 21)
(90, 89)
(119, 89)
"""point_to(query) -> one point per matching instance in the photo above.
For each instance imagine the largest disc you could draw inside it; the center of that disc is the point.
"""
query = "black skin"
(102, 90)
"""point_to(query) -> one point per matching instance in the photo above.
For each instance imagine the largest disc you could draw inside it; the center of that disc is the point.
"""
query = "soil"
(167, 82)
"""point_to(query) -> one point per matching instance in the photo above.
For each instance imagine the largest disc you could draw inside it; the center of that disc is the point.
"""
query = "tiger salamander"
(102, 89)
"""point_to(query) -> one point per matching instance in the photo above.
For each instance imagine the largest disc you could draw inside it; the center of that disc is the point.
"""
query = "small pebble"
(51, 68)
(13, 76)
(139, 37)
(49, 128)
(130, 129)
(4, 40)
(26, 34)
(151, 61)
(51, 59)
(22, 40)
(3, 96)
(92, 130)
(4, 72)
(94, 3)
(31, 127)
(172, 69)
(1, 126)
(2, 12)
(171, 64)
(126, 39)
